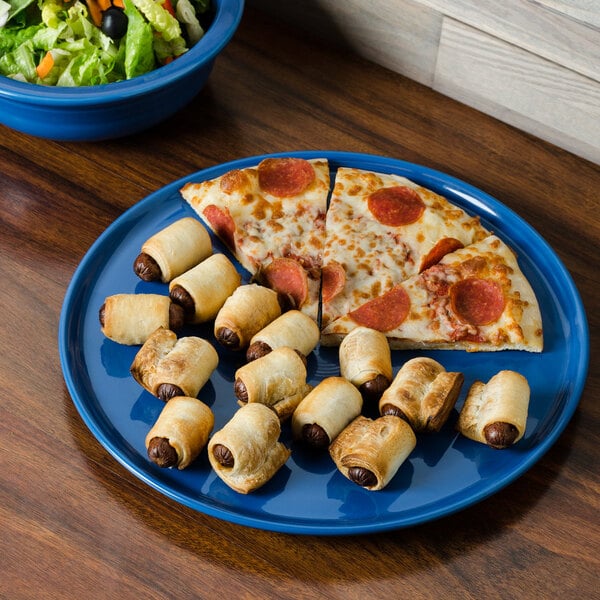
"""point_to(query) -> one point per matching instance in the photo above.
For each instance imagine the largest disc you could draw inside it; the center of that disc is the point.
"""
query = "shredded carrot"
(166, 4)
(45, 65)
(104, 4)
(95, 12)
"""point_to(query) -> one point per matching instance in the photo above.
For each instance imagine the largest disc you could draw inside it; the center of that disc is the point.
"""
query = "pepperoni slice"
(399, 205)
(385, 312)
(284, 177)
(443, 247)
(333, 280)
(477, 301)
(221, 223)
(288, 278)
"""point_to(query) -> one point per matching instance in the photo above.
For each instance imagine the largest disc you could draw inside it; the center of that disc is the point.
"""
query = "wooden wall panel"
(585, 11)
(528, 25)
(520, 88)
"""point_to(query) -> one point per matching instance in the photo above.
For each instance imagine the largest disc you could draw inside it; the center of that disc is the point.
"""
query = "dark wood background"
(76, 524)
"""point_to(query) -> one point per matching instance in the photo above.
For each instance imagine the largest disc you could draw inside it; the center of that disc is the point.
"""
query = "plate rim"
(422, 174)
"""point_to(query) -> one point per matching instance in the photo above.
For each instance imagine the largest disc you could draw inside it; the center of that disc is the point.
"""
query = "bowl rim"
(226, 21)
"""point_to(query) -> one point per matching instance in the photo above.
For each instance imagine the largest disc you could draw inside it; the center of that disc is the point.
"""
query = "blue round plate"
(445, 473)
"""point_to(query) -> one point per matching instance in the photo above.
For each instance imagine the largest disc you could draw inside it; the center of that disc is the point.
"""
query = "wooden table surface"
(75, 523)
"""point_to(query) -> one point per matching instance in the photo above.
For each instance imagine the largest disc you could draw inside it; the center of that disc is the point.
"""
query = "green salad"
(90, 42)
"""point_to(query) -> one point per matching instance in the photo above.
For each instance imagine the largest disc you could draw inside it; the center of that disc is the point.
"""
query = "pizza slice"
(272, 218)
(474, 299)
(380, 230)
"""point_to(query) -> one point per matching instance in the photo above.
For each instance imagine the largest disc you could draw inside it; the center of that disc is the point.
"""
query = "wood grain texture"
(402, 36)
(405, 36)
(584, 11)
(532, 26)
(75, 523)
(516, 86)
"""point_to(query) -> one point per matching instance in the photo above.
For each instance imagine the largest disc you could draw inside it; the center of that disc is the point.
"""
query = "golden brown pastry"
(423, 393)
(246, 452)
(277, 380)
(203, 290)
(325, 411)
(250, 308)
(168, 367)
(366, 361)
(173, 250)
(369, 452)
(131, 318)
(495, 413)
(180, 432)
(293, 329)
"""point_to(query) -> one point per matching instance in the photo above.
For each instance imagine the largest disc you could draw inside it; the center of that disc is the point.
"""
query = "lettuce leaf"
(166, 24)
(139, 51)
(187, 15)
(14, 8)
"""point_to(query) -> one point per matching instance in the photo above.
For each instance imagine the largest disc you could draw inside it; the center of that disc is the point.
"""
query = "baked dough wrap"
(293, 329)
(503, 399)
(377, 446)
(209, 284)
(187, 424)
(252, 438)
(424, 393)
(187, 362)
(178, 247)
(131, 318)
(331, 405)
(248, 310)
(277, 380)
(365, 355)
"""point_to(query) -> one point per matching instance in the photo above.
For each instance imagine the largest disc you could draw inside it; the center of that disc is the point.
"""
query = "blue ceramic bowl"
(115, 110)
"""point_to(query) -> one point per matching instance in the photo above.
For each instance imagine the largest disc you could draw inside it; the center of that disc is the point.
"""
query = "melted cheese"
(377, 256)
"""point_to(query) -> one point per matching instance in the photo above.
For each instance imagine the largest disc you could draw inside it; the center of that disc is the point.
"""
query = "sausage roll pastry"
(249, 309)
(246, 452)
(173, 250)
(293, 329)
(366, 361)
(422, 393)
(369, 452)
(495, 413)
(325, 411)
(202, 290)
(180, 432)
(131, 318)
(168, 367)
(277, 380)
